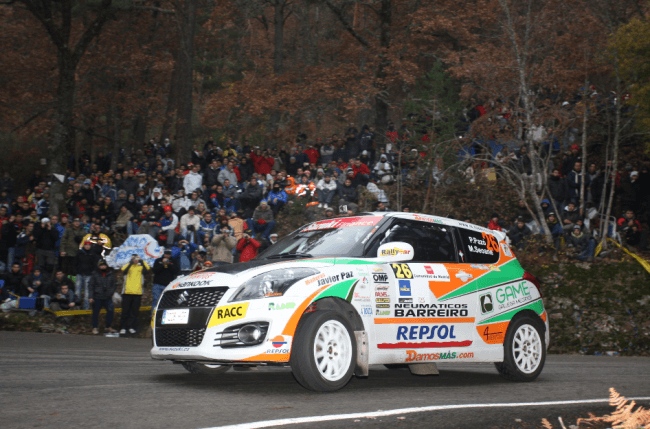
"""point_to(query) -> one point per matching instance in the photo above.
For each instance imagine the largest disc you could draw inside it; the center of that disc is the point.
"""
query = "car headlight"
(271, 284)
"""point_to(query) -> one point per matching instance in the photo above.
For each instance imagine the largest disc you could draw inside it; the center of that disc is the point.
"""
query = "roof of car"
(434, 219)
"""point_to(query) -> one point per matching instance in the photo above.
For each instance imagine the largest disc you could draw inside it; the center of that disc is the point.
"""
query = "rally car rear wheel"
(324, 352)
(524, 350)
(201, 368)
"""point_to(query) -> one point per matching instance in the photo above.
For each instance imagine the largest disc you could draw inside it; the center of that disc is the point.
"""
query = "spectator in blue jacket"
(556, 231)
(206, 229)
(167, 224)
(277, 198)
(183, 253)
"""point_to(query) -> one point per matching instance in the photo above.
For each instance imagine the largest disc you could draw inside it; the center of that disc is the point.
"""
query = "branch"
(92, 31)
(339, 14)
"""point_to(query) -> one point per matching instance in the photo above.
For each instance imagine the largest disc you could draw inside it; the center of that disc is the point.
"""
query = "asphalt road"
(68, 381)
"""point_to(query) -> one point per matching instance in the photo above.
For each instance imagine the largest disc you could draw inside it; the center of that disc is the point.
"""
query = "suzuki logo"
(182, 297)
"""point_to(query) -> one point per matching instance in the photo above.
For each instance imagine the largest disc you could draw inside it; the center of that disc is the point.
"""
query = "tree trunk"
(278, 57)
(617, 138)
(185, 80)
(63, 133)
(172, 99)
(381, 107)
(116, 135)
(583, 171)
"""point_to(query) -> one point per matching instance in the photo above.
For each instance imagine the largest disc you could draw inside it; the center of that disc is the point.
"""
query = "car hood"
(232, 275)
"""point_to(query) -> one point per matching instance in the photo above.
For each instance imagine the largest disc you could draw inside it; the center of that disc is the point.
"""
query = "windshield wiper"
(289, 255)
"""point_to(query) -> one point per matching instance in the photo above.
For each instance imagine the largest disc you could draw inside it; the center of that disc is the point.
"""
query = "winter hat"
(546, 201)
(365, 152)
(45, 220)
(263, 202)
(320, 170)
(634, 173)
(575, 147)
(168, 209)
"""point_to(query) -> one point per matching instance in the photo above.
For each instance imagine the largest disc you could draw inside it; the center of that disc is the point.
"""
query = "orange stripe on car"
(292, 324)
(401, 320)
(268, 357)
(493, 333)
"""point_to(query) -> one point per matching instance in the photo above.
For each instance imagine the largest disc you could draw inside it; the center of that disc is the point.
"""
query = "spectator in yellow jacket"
(132, 293)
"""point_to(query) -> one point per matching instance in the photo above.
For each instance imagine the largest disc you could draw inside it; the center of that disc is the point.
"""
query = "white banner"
(142, 245)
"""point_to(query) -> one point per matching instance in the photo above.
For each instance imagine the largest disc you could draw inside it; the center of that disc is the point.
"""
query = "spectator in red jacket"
(361, 172)
(262, 161)
(247, 246)
(494, 223)
(312, 154)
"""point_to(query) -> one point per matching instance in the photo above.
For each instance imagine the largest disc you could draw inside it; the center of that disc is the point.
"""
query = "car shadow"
(262, 381)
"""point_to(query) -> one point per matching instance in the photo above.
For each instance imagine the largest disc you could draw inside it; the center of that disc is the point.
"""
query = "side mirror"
(395, 251)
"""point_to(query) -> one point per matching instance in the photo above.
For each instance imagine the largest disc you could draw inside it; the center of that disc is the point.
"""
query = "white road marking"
(374, 414)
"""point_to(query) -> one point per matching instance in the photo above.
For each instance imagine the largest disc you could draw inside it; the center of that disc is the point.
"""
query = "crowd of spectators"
(220, 208)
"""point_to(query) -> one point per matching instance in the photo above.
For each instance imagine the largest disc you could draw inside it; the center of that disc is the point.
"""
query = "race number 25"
(402, 271)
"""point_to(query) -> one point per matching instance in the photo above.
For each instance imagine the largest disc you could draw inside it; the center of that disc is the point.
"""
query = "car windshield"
(330, 237)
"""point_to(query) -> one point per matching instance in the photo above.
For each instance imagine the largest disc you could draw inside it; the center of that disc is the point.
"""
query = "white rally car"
(340, 294)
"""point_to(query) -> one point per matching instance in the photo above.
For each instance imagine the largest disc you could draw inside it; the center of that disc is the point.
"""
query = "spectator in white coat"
(193, 180)
(326, 190)
(190, 224)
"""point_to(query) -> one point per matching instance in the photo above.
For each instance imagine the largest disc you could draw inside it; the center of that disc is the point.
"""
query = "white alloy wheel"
(332, 350)
(527, 349)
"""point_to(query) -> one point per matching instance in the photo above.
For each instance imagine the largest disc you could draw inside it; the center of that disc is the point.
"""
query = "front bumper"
(202, 337)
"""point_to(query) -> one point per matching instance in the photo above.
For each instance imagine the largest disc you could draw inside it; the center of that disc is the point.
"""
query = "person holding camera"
(222, 244)
(165, 270)
(46, 237)
(247, 246)
(102, 288)
(132, 293)
(190, 223)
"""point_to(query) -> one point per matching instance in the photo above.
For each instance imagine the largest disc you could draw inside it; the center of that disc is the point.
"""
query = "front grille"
(199, 297)
(179, 337)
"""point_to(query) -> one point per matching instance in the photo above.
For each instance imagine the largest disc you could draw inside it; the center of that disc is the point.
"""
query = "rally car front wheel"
(524, 350)
(201, 368)
(324, 352)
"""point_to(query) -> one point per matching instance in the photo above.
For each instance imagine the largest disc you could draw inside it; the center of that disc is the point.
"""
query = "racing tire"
(324, 352)
(200, 368)
(524, 351)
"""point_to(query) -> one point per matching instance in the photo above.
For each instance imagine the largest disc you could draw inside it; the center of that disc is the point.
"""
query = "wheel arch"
(529, 313)
(344, 308)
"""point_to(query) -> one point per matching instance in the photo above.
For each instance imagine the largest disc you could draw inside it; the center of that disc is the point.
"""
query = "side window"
(431, 243)
(480, 247)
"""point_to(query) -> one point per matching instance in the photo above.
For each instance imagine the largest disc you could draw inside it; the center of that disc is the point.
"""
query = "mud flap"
(424, 369)
(361, 369)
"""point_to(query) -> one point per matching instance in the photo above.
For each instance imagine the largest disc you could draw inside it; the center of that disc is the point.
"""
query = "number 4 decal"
(402, 271)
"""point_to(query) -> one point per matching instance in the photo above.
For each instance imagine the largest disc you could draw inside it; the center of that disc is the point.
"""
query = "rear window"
(480, 247)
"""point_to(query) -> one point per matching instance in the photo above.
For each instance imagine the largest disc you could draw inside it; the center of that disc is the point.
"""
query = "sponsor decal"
(281, 306)
(380, 277)
(406, 300)
(404, 288)
(425, 332)
(480, 266)
(382, 305)
(421, 300)
(431, 310)
(278, 341)
(365, 311)
(382, 313)
(382, 299)
(427, 219)
(227, 313)
(381, 288)
(496, 335)
(280, 345)
(174, 349)
(343, 223)
(413, 356)
(314, 279)
(463, 276)
(361, 297)
(377, 270)
(381, 294)
(395, 251)
(487, 306)
(335, 278)
(437, 272)
(402, 271)
(427, 345)
(199, 275)
(506, 250)
(364, 282)
(195, 283)
(512, 295)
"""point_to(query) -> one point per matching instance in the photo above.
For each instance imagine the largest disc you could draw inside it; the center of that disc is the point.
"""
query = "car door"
(419, 323)
(482, 255)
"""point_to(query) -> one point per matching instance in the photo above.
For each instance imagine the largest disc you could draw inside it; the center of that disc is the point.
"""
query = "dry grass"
(625, 416)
